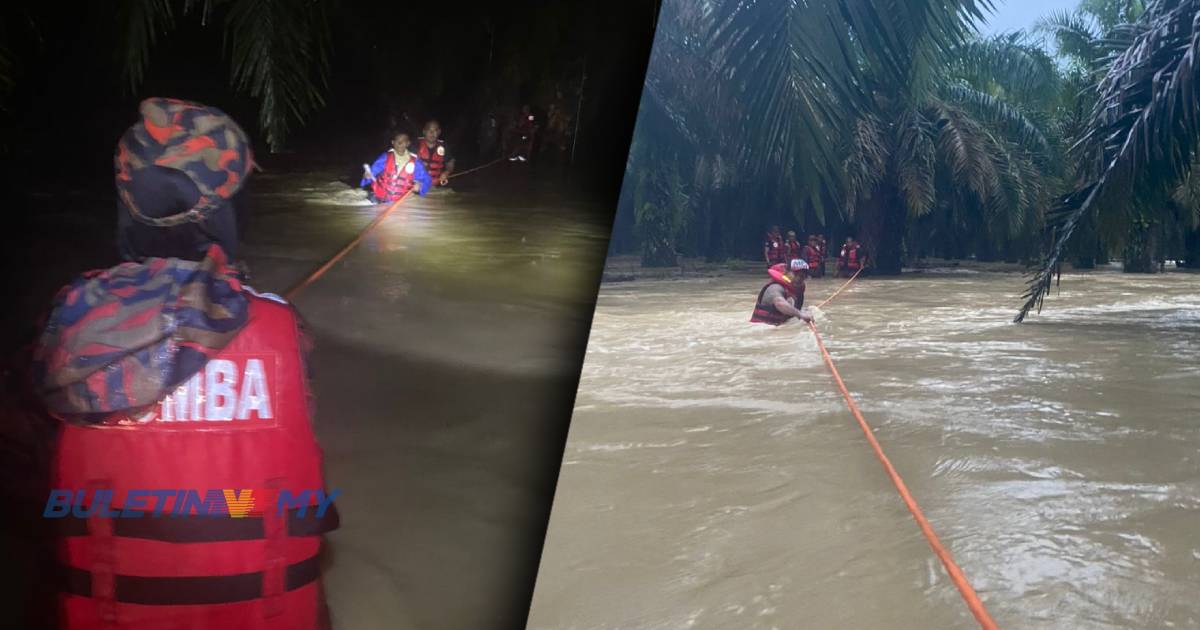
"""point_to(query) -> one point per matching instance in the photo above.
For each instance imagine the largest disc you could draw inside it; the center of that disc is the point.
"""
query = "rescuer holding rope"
(782, 298)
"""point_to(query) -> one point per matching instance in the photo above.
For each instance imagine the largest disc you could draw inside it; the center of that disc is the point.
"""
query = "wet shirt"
(776, 291)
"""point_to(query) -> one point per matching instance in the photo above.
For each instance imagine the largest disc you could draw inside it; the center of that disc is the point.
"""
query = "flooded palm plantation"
(713, 477)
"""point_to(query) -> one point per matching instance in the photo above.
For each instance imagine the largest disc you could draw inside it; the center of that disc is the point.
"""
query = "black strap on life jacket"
(767, 313)
(197, 528)
(192, 590)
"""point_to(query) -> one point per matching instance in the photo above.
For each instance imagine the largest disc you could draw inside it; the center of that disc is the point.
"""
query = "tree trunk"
(881, 231)
(1139, 250)
(1192, 250)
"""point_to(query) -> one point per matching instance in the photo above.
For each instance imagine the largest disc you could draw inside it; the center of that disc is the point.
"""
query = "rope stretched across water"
(974, 604)
(312, 277)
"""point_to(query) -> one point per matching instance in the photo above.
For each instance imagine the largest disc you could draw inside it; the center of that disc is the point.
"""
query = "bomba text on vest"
(226, 390)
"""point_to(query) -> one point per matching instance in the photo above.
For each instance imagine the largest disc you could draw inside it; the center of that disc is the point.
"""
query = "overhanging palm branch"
(140, 23)
(1141, 135)
(278, 49)
(280, 56)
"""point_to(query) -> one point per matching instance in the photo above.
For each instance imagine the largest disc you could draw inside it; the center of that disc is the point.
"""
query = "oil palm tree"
(861, 104)
(1141, 137)
(975, 122)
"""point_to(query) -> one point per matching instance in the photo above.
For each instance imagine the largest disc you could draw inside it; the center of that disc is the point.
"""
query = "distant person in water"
(523, 135)
(792, 246)
(395, 172)
(774, 248)
(813, 255)
(823, 248)
(852, 257)
(782, 297)
(435, 154)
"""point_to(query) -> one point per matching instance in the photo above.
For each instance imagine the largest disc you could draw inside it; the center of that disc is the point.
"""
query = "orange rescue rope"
(312, 277)
(956, 575)
(840, 289)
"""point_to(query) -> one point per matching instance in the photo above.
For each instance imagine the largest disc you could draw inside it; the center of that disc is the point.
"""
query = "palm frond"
(140, 23)
(914, 162)
(1187, 196)
(279, 52)
(1140, 136)
(1010, 63)
(1075, 34)
(998, 112)
(866, 161)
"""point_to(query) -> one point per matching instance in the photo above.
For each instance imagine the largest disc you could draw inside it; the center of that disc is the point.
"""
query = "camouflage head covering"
(200, 141)
(122, 339)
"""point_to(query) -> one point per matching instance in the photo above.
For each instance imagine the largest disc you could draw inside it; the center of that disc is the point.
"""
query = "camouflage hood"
(122, 339)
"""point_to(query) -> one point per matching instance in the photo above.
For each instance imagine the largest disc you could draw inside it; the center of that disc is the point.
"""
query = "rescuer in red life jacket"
(782, 298)
(793, 246)
(395, 172)
(435, 154)
(774, 249)
(168, 374)
(813, 256)
(852, 257)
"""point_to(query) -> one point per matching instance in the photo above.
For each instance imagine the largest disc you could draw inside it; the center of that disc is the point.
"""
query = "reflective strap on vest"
(195, 528)
(189, 591)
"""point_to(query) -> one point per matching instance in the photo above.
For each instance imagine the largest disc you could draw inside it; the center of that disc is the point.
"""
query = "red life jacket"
(767, 313)
(395, 179)
(851, 257)
(794, 249)
(778, 251)
(241, 424)
(433, 157)
(813, 256)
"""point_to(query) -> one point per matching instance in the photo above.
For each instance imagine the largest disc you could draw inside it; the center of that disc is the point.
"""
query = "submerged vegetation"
(897, 122)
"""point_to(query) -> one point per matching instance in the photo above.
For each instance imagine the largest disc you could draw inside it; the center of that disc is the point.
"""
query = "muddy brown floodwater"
(713, 477)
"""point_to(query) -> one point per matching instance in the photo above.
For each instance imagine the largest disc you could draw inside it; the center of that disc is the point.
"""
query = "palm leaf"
(279, 53)
(1139, 140)
(1075, 34)
(140, 23)
(914, 162)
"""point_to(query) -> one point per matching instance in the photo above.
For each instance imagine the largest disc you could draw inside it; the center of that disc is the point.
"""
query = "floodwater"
(448, 348)
(447, 351)
(714, 478)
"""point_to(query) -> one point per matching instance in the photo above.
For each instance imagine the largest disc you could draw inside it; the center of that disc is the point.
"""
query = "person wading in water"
(782, 298)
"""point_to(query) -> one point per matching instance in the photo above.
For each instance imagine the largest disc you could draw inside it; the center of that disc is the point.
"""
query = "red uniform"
(242, 426)
(812, 255)
(767, 313)
(434, 157)
(776, 249)
(851, 257)
(794, 249)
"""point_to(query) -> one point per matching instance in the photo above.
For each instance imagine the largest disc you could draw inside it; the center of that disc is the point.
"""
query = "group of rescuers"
(399, 169)
(169, 372)
(788, 265)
